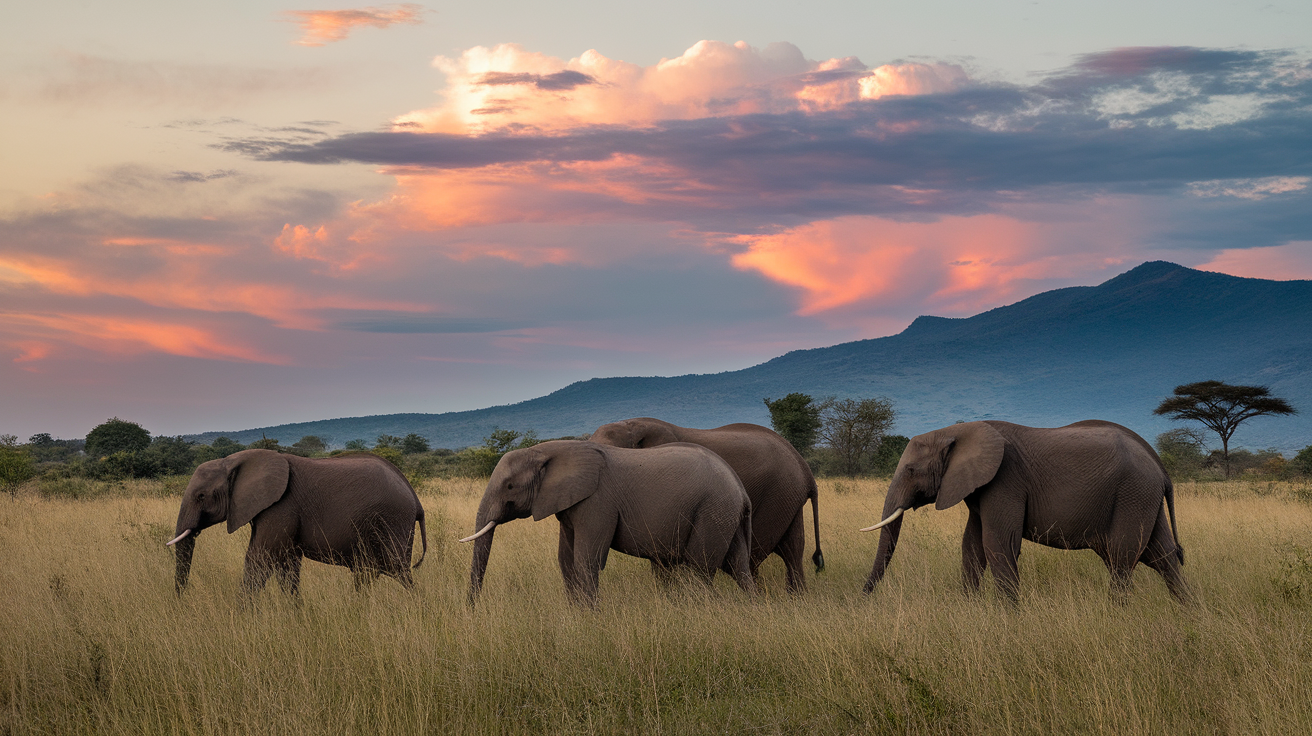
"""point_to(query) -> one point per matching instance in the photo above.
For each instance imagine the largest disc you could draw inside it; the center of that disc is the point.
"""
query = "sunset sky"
(228, 215)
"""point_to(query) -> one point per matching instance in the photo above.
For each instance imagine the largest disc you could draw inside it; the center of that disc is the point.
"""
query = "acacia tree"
(796, 417)
(853, 428)
(1221, 408)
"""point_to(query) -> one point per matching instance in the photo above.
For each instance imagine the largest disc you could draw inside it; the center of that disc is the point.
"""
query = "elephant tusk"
(177, 539)
(480, 532)
(891, 518)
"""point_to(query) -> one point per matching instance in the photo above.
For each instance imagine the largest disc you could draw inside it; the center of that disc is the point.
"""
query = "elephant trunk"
(894, 506)
(887, 543)
(183, 550)
(482, 550)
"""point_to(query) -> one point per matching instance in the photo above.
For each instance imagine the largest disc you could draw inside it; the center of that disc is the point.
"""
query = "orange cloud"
(191, 279)
(1279, 262)
(954, 264)
(130, 336)
(492, 88)
(30, 353)
(326, 26)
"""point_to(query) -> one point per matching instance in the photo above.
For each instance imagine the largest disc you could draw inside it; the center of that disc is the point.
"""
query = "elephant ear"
(569, 474)
(975, 454)
(259, 478)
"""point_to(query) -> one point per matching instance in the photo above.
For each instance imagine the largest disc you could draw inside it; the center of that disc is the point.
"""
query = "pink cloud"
(1279, 262)
(326, 26)
(491, 88)
(955, 265)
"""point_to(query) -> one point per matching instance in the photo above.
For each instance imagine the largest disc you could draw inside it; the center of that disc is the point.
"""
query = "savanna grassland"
(93, 639)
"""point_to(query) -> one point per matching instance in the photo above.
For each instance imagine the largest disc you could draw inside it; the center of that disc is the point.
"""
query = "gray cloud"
(84, 79)
(1066, 130)
(186, 177)
(557, 82)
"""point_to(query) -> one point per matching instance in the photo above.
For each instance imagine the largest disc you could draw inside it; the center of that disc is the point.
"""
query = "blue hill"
(1111, 351)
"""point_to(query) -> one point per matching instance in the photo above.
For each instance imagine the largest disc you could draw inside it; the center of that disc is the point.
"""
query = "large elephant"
(357, 511)
(1089, 485)
(678, 505)
(777, 479)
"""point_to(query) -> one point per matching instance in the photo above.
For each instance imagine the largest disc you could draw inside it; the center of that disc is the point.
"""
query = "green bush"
(1181, 451)
(1302, 462)
(390, 454)
(172, 456)
(310, 445)
(117, 435)
(128, 464)
(884, 461)
(413, 444)
(264, 443)
(480, 461)
(16, 466)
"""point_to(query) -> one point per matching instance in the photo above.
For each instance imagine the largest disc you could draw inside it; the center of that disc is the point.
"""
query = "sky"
(222, 216)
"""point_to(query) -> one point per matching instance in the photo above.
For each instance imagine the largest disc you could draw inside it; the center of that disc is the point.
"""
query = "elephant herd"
(704, 500)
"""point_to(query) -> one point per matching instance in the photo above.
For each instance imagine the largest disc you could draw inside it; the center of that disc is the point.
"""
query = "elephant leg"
(707, 548)
(589, 560)
(1126, 543)
(289, 575)
(1120, 560)
(792, 548)
(270, 550)
(738, 562)
(565, 557)
(257, 572)
(1161, 556)
(1002, 553)
(973, 559)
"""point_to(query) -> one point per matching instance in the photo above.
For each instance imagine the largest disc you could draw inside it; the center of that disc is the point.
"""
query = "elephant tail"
(819, 557)
(423, 536)
(1170, 508)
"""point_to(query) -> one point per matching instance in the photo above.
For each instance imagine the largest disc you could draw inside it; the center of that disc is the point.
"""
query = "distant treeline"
(837, 437)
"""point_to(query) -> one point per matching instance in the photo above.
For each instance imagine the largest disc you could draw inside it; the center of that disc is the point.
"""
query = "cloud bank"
(593, 216)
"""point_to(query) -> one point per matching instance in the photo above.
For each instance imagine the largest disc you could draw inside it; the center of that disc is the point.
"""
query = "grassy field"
(93, 639)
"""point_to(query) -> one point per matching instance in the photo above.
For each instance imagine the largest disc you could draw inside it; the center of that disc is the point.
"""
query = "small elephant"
(358, 511)
(1089, 485)
(679, 504)
(776, 478)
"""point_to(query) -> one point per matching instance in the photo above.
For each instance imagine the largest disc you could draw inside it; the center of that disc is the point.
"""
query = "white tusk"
(177, 539)
(891, 518)
(480, 532)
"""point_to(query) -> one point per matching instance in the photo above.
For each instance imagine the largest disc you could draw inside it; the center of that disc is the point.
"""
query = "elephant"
(357, 510)
(1089, 485)
(777, 479)
(676, 505)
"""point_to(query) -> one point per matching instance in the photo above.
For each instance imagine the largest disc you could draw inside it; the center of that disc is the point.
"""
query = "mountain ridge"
(1110, 351)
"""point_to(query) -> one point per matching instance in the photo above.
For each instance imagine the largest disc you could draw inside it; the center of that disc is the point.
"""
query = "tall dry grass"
(93, 640)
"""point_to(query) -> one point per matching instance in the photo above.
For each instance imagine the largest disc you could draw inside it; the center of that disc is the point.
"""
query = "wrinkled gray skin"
(776, 478)
(357, 511)
(1089, 485)
(678, 505)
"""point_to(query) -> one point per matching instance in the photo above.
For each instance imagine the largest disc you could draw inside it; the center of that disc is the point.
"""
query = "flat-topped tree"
(1222, 407)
